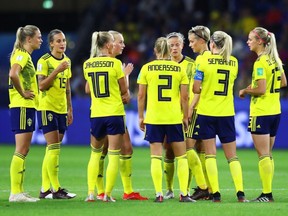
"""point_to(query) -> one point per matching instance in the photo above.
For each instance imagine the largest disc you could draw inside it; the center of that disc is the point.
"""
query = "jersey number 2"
(163, 87)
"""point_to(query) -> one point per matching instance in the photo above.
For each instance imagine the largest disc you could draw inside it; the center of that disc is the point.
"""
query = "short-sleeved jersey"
(191, 82)
(216, 98)
(163, 79)
(27, 78)
(188, 64)
(102, 75)
(53, 98)
(269, 103)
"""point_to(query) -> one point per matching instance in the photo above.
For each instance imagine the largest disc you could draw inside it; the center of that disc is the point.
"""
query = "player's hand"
(63, 66)
(242, 93)
(69, 117)
(185, 124)
(126, 98)
(141, 124)
(28, 94)
(128, 68)
(190, 112)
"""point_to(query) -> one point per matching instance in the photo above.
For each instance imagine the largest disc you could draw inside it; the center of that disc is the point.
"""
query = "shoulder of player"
(45, 56)
(188, 59)
(20, 51)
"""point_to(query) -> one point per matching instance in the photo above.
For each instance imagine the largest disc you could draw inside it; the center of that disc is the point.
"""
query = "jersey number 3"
(223, 82)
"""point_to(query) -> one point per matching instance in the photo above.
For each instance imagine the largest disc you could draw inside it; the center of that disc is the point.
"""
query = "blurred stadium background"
(141, 22)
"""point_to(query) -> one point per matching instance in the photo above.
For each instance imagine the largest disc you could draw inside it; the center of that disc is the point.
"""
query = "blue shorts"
(50, 121)
(22, 119)
(264, 124)
(157, 133)
(110, 125)
(207, 127)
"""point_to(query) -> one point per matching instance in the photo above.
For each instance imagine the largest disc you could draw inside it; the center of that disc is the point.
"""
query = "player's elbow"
(196, 90)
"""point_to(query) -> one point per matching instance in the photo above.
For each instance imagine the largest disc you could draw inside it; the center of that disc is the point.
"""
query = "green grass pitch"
(73, 172)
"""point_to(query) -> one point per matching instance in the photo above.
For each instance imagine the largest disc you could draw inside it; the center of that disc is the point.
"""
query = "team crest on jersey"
(39, 67)
(259, 71)
(29, 122)
(19, 58)
(50, 117)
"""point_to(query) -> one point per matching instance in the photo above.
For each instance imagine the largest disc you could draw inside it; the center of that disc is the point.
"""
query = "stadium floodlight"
(47, 4)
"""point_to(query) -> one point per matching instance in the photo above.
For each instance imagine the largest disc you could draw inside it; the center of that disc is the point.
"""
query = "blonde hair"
(21, 35)
(114, 32)
(269, 42)
(223, 42)
(200, 32)
(176, 34)
(99, 39)
(161, 48)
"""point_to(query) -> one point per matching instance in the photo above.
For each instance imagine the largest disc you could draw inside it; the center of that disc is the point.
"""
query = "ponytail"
(21, 35)
(270, 46)
(161, 48)
(99, 39)
(223, 42)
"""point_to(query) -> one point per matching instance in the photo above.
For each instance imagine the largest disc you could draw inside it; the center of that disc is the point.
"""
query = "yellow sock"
(112, 170)
(212, 172)
(190, 177)
(45, 176)
(182, 173)
(196, 167)
(126, 172)
(92, 169)
(53, 164)
(169, 173)
(156, 173)
(17, 173)
(236, 172)
(202, 159)
(272, 163)
(265, 171)
(100, 177)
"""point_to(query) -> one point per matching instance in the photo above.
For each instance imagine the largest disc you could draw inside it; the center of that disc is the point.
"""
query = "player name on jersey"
(94, 64)
(221, 61)
(164, 67)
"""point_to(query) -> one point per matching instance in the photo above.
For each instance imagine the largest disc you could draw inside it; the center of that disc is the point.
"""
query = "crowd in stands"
(141, 22)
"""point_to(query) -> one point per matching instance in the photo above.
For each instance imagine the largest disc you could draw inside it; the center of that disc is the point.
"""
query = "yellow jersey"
(27, 78)
(216, 98)
(54, 98)
(102, 75)
(163, 79)
(269, 103)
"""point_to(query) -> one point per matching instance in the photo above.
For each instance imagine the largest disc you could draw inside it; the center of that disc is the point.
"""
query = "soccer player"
(125, 165)
(214, 81)
(23, 95)
(54, 111)
(164, 83)
(198, 37)
(108, 91)
(176, 44)
(265, 109)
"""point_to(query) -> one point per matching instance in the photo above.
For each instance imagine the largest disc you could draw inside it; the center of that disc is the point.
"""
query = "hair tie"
(257, 35)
